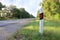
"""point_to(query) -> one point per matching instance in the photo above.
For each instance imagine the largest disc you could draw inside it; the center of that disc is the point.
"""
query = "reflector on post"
(41, 16)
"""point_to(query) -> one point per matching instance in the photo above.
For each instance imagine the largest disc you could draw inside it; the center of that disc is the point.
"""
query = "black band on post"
(41, 16)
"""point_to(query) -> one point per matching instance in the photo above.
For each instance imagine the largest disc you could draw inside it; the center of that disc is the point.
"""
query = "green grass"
(31, 31)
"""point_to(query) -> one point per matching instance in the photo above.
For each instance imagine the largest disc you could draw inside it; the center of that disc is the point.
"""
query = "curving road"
(8, 27)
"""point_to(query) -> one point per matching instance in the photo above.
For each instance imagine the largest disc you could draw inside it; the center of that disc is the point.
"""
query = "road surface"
(8, 27)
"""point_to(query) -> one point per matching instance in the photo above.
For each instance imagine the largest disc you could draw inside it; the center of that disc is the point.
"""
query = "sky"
(29, 5)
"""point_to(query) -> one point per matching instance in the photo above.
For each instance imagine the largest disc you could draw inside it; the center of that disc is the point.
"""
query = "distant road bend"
(8, 27)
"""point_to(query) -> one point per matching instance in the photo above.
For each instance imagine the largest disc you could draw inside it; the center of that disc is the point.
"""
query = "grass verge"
(31, 31)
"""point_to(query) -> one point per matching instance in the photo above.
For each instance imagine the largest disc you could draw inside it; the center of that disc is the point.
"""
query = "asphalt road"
(8, 27)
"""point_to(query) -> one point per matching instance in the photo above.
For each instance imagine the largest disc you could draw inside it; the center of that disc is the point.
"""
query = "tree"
(1, 6)
(13, 12)
(19, 13)
(51, 7)
(25, 14)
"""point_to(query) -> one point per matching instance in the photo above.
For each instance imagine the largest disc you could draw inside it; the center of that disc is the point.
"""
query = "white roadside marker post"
(41, 21)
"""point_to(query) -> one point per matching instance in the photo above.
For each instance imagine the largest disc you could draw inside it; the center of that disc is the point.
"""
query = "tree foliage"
(13, 12)
(1, 6)
(51, 8)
